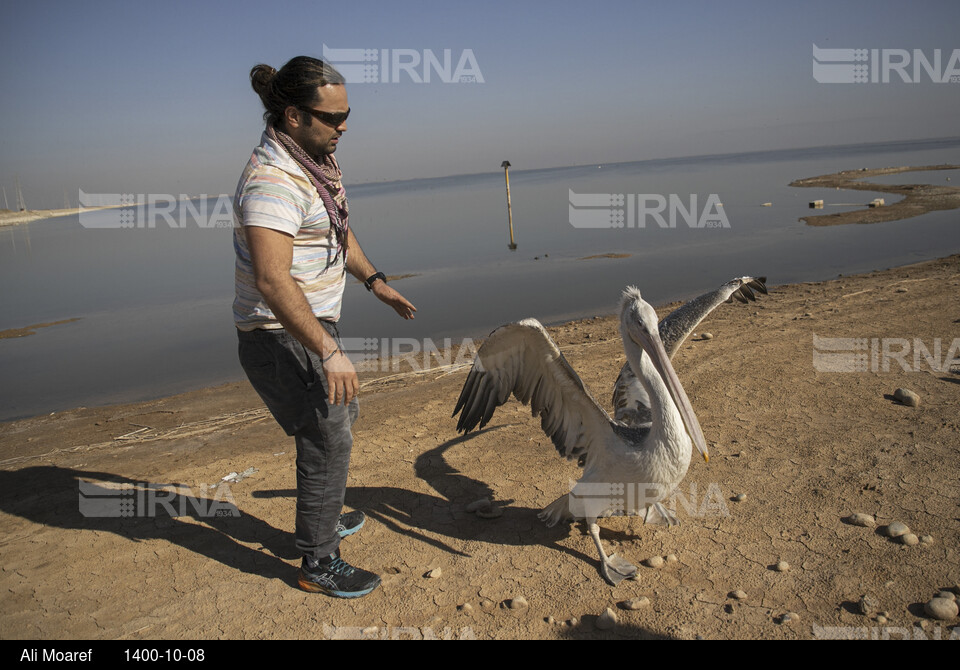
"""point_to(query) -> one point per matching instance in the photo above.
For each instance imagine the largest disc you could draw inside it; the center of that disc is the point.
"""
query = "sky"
(154, 98)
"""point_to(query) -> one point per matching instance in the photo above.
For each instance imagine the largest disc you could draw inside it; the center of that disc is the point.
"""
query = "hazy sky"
(138, 97)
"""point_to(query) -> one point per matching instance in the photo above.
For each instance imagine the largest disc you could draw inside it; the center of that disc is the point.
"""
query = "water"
(154, 305)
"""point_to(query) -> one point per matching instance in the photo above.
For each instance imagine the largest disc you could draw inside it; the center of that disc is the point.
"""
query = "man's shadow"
(138, 510)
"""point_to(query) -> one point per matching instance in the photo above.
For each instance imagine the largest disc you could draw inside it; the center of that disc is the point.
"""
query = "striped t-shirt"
(275, 193)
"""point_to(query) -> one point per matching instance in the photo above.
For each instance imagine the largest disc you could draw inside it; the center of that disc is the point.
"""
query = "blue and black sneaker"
(335, 577)
(350, 523)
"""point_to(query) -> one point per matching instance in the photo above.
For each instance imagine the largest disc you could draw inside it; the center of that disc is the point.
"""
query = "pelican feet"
(657, 514)
(557, 512)
(616, 569)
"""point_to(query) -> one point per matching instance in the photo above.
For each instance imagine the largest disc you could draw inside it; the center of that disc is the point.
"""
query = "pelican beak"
(661, 361)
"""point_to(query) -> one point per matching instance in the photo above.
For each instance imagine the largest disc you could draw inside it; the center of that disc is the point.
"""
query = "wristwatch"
(373, 278)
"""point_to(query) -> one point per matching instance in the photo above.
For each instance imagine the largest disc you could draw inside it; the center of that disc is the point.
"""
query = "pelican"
(630, 462)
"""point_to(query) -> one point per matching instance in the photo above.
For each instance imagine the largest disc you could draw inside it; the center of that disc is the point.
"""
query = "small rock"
(860, 519)
(867, 604)
(782, 566)
(635, 603)
(946, 594)
(465, 607)
(483, 503)
(906, 397)
(370, 630)
(941, 608)
(550, 620)
(572, 622)
(790, 617)
(882, 620)
(436, 573)
(492, 513)
(706, 336)
(738, 595)
(909, 539)
(896, 529)
(926, 539)
(740, 497)
(671, 558)
(607, 620)
(654, 562)
(487, 604)
(517, 603)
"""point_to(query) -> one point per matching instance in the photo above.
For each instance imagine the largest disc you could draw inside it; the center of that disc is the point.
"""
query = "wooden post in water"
(506, 174)
(21, 205)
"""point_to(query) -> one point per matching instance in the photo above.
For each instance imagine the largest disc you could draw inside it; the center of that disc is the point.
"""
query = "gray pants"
(290, 380)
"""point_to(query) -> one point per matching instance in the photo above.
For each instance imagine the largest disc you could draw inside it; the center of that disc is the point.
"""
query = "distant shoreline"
(11, 218)
(918, 198)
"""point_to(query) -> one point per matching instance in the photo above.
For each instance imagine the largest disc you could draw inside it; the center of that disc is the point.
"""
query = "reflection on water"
(155, 304)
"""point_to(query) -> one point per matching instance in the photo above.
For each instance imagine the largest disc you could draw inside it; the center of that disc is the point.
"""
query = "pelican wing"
(522, 359)
(630, 402)
(676, 326)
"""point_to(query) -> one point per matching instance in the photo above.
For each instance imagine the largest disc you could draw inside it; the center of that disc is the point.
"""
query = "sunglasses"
(330, 118)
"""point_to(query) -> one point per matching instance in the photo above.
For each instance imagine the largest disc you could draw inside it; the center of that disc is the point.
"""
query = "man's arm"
(271, 253)
(361, 268)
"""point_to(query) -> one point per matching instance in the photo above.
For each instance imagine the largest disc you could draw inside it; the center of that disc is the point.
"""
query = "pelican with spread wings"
(630, 462)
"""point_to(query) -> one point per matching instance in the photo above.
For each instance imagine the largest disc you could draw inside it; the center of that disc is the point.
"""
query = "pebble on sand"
(607, 620)
(635, 603)
(926, 539)
(740, 497)
(782, 566)
(861, 519)
(654, 562)
(941, 608)
(867, 604)
(738, 595)
(483, 503)
(896, 529)
(947, 594)
(790, 617)
(909, 539)
(436, 573)
(672, 558)
(491, 513)
(906, 397)
(517, 603)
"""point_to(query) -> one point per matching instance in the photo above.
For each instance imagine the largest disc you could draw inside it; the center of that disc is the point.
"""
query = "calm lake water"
(154, 304)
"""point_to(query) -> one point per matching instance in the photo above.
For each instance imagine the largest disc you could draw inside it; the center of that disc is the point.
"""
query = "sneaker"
(350, 523)
(336, 577)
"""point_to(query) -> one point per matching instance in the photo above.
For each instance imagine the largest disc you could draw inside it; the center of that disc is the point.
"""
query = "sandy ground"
(807, 447)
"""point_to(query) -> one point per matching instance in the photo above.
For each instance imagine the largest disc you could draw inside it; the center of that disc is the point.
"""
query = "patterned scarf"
(326, 178)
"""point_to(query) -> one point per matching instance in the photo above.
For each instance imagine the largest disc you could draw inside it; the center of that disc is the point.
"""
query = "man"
(294, 246)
